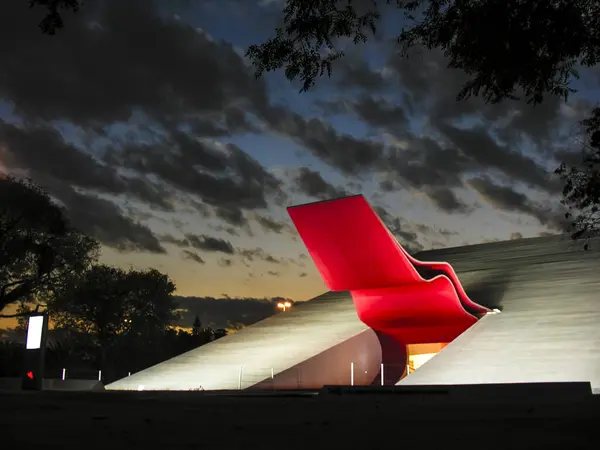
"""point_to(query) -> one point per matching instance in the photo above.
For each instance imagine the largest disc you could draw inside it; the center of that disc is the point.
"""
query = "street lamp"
(284, 305)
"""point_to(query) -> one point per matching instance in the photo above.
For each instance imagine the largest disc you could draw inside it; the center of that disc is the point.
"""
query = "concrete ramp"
(548, 330)
(263, 351)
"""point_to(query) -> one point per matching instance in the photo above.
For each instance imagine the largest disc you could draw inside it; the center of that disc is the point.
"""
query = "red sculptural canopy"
(354, 251)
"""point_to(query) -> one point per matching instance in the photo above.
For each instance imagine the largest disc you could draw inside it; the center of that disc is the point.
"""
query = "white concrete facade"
(549, 327)
(549, 330)
(270, 347)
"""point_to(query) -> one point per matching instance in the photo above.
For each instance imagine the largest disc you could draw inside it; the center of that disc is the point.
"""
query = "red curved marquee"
(354, 251)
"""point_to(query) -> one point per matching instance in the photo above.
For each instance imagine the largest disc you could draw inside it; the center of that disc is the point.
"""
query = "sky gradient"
(146, 122)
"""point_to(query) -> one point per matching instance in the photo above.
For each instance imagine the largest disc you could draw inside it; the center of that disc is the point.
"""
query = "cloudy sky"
(145, 121)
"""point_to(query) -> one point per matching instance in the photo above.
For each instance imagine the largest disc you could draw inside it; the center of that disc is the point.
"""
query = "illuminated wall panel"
(360, 355)
(279, 343)
(548, 289)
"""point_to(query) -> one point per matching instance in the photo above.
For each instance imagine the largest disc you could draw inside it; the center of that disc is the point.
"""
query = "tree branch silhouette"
(53, 20)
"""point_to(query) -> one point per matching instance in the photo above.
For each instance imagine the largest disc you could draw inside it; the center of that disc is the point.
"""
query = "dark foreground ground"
(196, 420)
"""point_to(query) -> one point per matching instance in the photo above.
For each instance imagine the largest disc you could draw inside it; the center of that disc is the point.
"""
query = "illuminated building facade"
(392, 318)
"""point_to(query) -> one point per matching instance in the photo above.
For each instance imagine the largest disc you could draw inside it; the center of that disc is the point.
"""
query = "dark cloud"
(258, 254)
(100, 68)
(224, 312)
(271, 259)
(225, 262)
(223, 177)
(478, 146)
(572, 157)
(379, 113)
(210, 244)
(294, 261)
(104, 220)
(218, 245)
(226, 229)
(270, 225)
(434, 166)
(188, 89)
(375, 111)
(387, 185)
(516, 235)
(423, 87)
(184, 88)
(508, 199)
(349, 154)
(446, 200)
(273, 273)
(232, 214)
(425, 229)
(302, 274)
(187, 254)
(355, 72)
(408, 239)
(429, 84)
(169, 239)
(75, 178)
(447, 233)
(43, 153)
(428, 168)
(424, 162)
(313, 184)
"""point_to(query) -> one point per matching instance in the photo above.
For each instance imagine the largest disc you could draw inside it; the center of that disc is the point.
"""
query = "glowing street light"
(284, 305)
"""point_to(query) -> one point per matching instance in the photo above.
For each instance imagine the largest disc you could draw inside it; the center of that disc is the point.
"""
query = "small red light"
(30, 375)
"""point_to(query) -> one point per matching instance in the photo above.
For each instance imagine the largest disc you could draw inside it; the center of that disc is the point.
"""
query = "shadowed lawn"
(197, 420)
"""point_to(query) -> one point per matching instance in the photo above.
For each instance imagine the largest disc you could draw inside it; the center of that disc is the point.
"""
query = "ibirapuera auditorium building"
(504, 312)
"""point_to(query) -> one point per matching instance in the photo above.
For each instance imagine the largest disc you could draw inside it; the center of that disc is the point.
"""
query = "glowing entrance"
(419, 354)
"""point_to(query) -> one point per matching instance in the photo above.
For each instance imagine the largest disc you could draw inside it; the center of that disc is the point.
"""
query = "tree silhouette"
(196, 326)
(582, 183)
(507, 47)
(110, 308)
(11, 358)
(219, 333)
(53, 21)
(39, 252)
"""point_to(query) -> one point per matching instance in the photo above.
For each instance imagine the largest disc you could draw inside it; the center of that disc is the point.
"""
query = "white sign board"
(34, 332)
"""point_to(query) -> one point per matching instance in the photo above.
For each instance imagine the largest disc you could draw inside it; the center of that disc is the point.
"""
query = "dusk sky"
(145, 121)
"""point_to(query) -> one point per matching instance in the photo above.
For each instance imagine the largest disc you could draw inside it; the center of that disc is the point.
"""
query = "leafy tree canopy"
(196, 326)
(581, 193)
(109, 310)
(107, 303)
(39, 251)
(505, 46)
(53, 21)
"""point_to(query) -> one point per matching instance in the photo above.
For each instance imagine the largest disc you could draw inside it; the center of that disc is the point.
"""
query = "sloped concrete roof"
(549, 330)
(549, 327)
(278, 342)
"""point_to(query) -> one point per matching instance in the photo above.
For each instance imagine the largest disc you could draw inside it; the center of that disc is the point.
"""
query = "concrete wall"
(280, 342)
(333, 366)
(549, 328)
